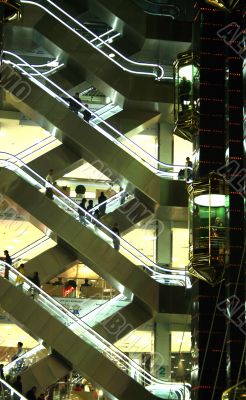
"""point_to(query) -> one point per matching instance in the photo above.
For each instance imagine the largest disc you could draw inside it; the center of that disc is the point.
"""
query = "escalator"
(129, 80)
(96, 145)
(129, 271)
(84, 350)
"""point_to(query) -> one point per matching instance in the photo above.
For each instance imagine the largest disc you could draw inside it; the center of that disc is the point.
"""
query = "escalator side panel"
(133, 122)
(44, 373)
(50, 263)
(61, 159)
(123, 322)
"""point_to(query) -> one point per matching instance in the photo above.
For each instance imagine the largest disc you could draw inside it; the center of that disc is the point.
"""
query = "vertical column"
(164, 235)
(162, 361)
(235, 265)
(164, 244)
(165, 142)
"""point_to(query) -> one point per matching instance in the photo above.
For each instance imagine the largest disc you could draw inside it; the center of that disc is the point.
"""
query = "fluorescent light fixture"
(53, 63)
(212, 200)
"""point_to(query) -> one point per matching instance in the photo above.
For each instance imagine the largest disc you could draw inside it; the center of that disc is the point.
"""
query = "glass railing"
(138, 259)
(164, 170)
(113, 203)
(25, 361)
(106, 112)
(125, 63)
(106, 310)
(87, 334)
(7, 392)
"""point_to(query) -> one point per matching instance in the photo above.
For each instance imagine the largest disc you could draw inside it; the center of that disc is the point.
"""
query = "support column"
(164, 244)
(162, 356)
(165, 142)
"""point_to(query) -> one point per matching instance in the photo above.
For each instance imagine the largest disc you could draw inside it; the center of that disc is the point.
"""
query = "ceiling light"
(212, 200)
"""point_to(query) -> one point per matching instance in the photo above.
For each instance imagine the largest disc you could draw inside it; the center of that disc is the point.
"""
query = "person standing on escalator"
(8, 260)
(17, 385)
(35, 279)
(75, 103)
(87, 114)
(31, 394)
(102, 200)
(116, 240)
(50, 182)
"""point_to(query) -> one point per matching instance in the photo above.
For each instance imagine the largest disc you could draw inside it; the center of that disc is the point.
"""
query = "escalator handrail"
(100, 129)
(30, 247)
(114, 351)
(74, 208)
(7, 386)
(157, 66)
(31, 149)
(157, 8)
